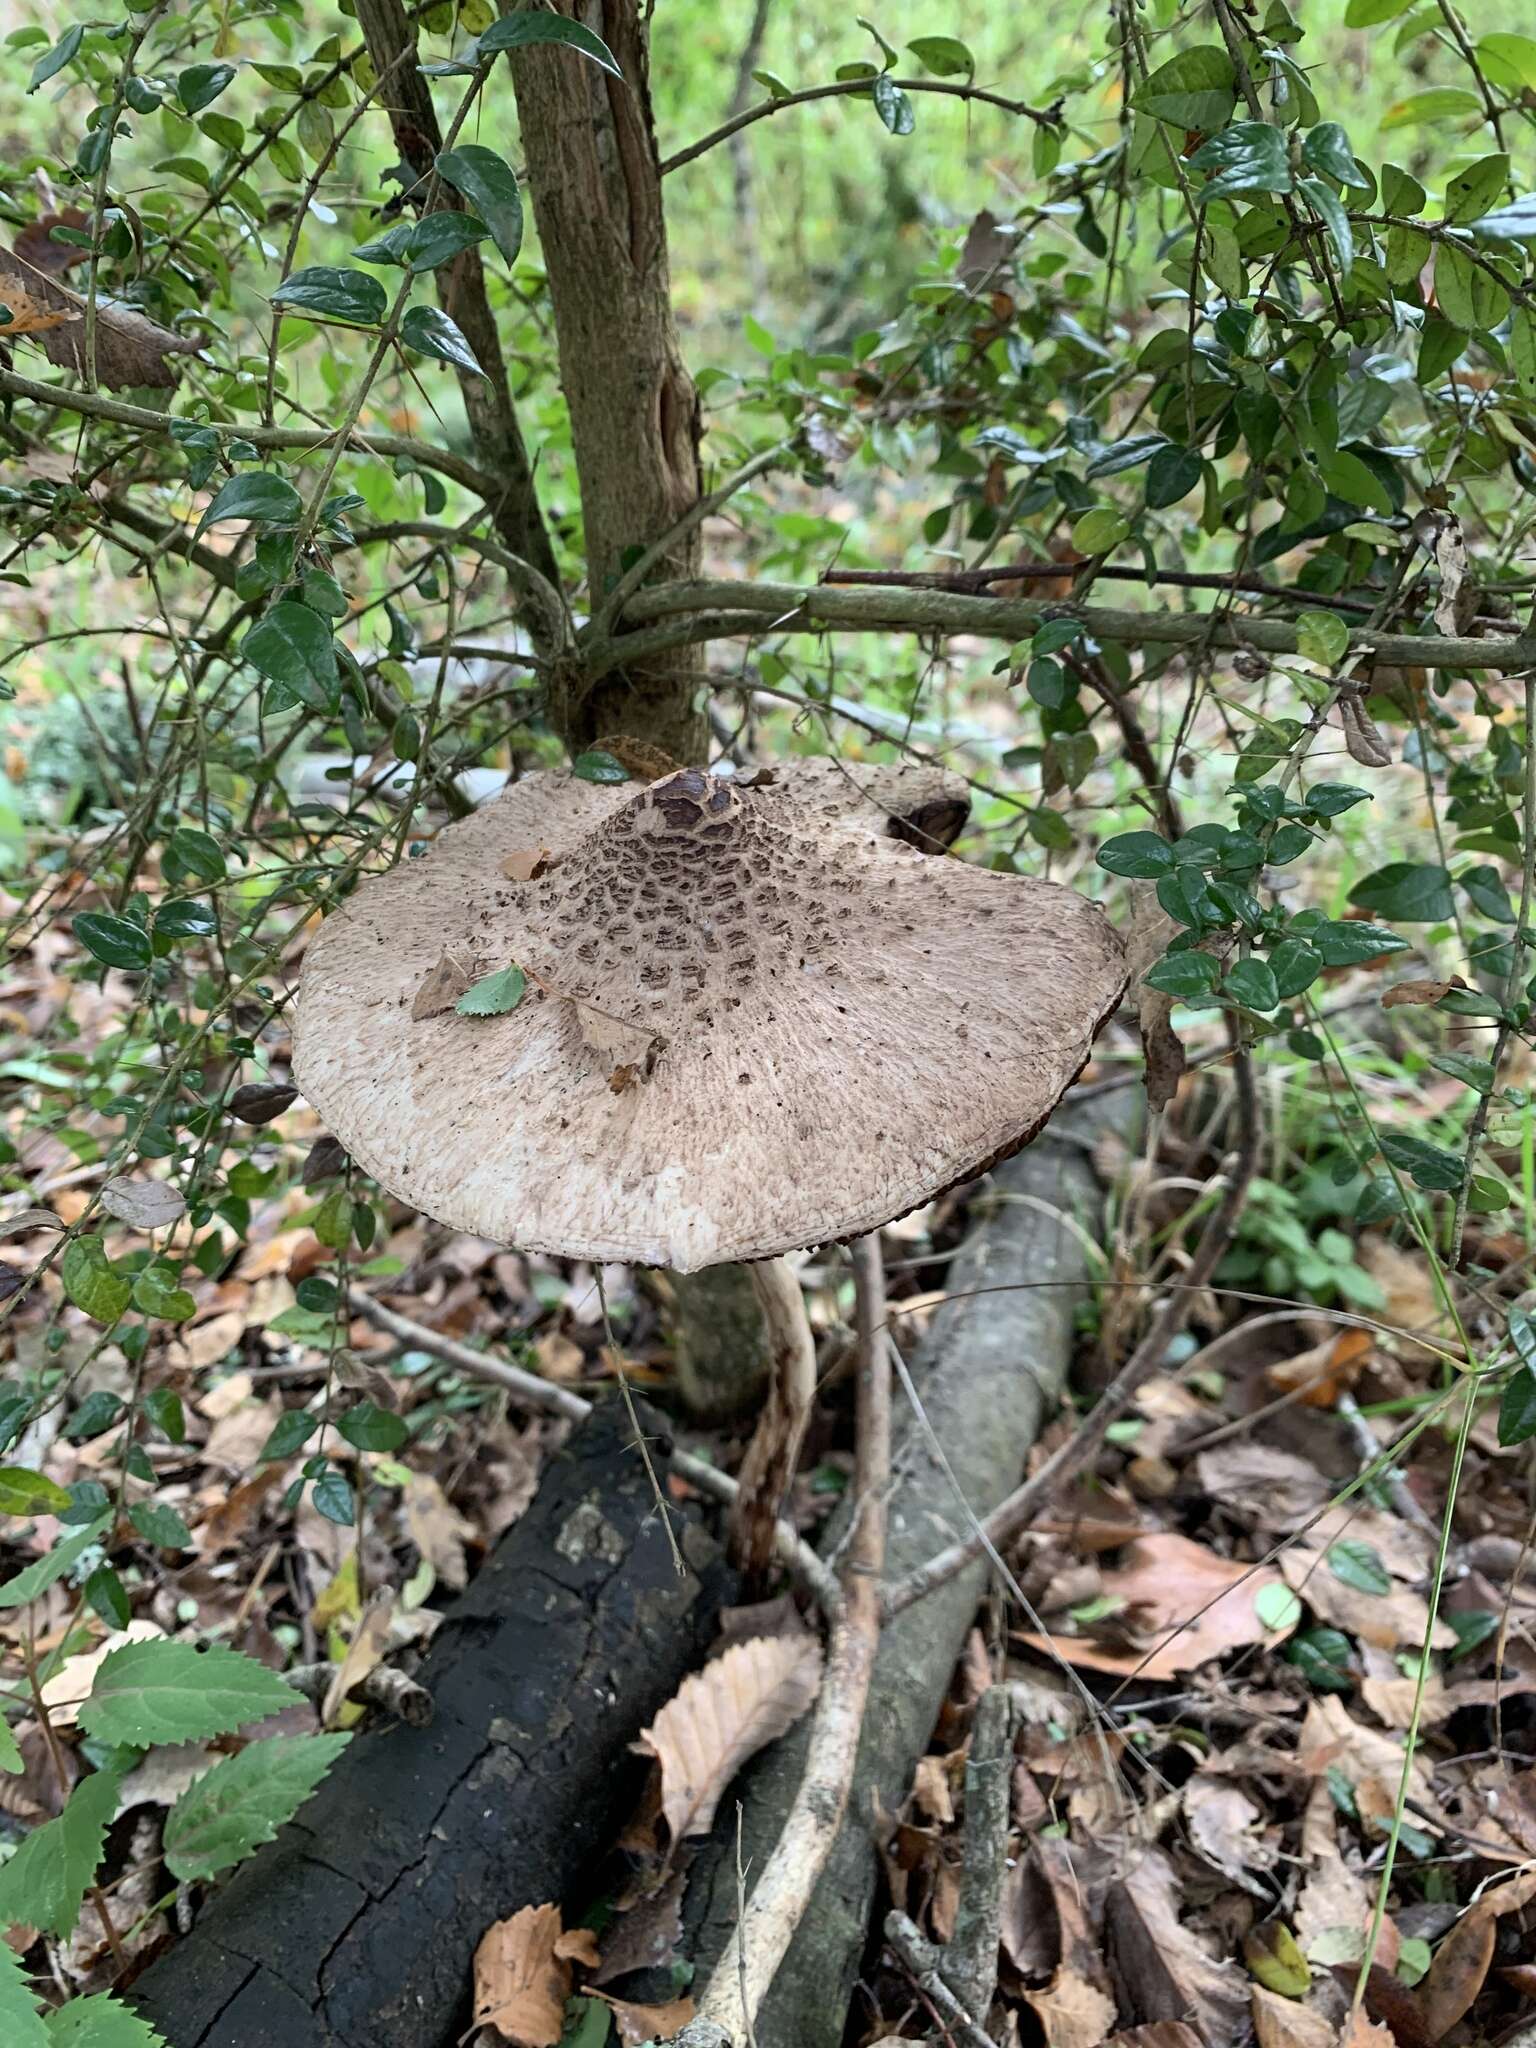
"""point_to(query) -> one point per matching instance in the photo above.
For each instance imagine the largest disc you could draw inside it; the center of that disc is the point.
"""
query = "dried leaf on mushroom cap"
(843, 1028)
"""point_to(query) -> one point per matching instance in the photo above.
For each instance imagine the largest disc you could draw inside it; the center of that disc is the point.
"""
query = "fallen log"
(358, 1926)
(988, 1374)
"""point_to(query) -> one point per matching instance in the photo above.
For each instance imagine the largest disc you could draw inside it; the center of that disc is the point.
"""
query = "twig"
(796, 1555)
(1012, 1516)
(971, 1957)
(783, 1893)
(383, 1687)
(841, 89)
(922, 1959)
(1363, 1439)
(1045, 572)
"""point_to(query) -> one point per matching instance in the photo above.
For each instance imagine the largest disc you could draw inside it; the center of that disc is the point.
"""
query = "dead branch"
(970, 1961)
(391, 1691)
(922, 1959)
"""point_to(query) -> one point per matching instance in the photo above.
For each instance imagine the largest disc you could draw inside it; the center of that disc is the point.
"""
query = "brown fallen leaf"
(1161, 2034)
(1189, 1604)
(639, 2023)
(1318, 1376)
(1391, 1619)
(1412, 1304)
(526, 863)
(1076, 2008)
(1362, 2032)
(1366, 1757)
(366, 1651)
(722, 1715)
(1158, 1966)
(443, 986)
(523, 1975)
(1463, 1959)
(1262, 1483)
(1413, 992)
(437, 1529)
(626, 1050)
(1224, 1826)
(35, 245)
(1286, 2023)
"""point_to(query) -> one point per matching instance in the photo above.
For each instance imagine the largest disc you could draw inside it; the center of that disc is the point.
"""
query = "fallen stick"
(357, 1928)
(386, 1688)
(970, 1960)
(990, 1368)
(783, 1892)
(923, 1960)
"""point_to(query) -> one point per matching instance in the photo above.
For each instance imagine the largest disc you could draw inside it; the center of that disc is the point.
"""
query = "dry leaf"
(1363, 2032)
(624, 1049)
(722, 1715)
(1319, 1375)
(1362, 736)
(146, 1204)
(26, 1220)
(523, 1975)
(1223, 1825)
(1389, 1620)
(526, 864)
(443, 986)
(1463, 1958)
(1413, 1303)
(1262, 1482)
(36, 246)
(70, 1685)
(1415, 992)
(367, 1649)
(1365, 1756)
(987, 248)
(1284, 2023)
(1160, 1970)
(130, 349)
(1456, 603)
(437, 1529)
(1166, 1582)
(638, 2023)
(930, 1790)
(1076, 2009)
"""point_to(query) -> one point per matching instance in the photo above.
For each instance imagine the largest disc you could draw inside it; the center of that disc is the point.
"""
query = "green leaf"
(30, 1493)
(200, 85)
(1277, 1606)
(1295, 965)
(893, 105)
(596, 766)
(1517, 1407)
(1466, 294)
(1467, 1068)
(163, 1407)
(1522, 350)
(1359, 1565)
(1324, 1656)
(393, 246)
(367, 1427)
(163, 1691)
(1331, 212)
(185, 918)
(1326, 149)
(1195, 89)
(488, 182)
(99, 2022)
(115, 941)
(1418, 892)
(63, 1557)
(1474, 191)
(1379, 1199)
(254, 494)
(53, 62)
(1401, 192)
(1440, 103)
(292, 645)
(1252, 983)
(1140, 855)
(198, 853)
(242, 1802)
(944, 56)
(1346, 943)
(323, 292)
(1485, 890)
(1367, 13)
(108, 1597)
(11, 1758)
(1186, 976)
(288, 1436)
(522, 30)
(438, 237)
(92, 1282)
(1172, 474)
(333, 1498)
(430, 332)
(156, 1293)
(1322, 637)
(1428, 1166)
(1249, 156)
(45, 1882)
(1100, 531)
(494, 995)
(95, 1415)
(1328, 799)
(1508, 60)
(160, 1525)
(20, 2022)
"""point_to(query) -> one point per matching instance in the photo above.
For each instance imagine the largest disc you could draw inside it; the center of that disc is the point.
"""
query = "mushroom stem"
(769, 1465)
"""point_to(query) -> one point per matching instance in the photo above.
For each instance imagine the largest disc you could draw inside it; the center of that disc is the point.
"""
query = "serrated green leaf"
(489, 183)
(494, 995)
(253, 494)
(21, 2024)
(523, 30)
(429, 331)
(242, 1802)
(153, 1692)
(45, 1882)
(99, 2022)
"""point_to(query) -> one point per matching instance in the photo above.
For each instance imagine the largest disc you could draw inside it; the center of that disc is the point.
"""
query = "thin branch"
(549, 619)
(1041, 572)
(1011, 1517)
(392, 447)
(783, 1893)
(543, 1395)
(843, 88)
(712, 610)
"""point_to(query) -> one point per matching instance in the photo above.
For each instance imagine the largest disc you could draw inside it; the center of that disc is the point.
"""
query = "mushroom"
(746, 1029)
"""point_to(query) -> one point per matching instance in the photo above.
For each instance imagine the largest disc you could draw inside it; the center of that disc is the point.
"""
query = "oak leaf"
(748, 1697)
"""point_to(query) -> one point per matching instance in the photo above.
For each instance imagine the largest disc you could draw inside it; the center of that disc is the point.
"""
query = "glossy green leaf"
(323, 292)
(367, 1427)
(52, 62)
(292, 645)
(438, 237)
(288, 1435)
(525, 29)
(944, 56)
(115, 941)
(1140, 855)
(430, 332)
(1348, 943)
(200, 85)
(597, 766)
(29, 1493)
(488, 182)
(1248, 156)
(1417, 892)
(1195, 89)
(1326, 149)
(1517, 1407)
(893, 106)
(253, 494)
(1252, 983)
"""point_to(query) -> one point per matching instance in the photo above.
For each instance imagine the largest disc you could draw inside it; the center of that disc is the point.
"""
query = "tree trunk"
(590, 148)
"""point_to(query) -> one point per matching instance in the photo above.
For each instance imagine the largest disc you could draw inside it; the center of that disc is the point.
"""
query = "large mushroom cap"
(746, 1029)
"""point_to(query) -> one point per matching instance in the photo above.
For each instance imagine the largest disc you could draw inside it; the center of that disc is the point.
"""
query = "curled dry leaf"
(130, 349)
(640, 2023)
(437, 1529)
(1462, 1960)
(325, 1159)
(1284, 2023)
(1362, 736)
(445, 983)
(523, 1975)
(1414, 992)
(1224, 1826)
(1159, 1968)
(146, 1204)
(747, 1698)
(35, 245)
(1457, 603)
(1076, 2008)
(625, 1050)
(26, 1220)
(260, 1102)
(1318, 1376)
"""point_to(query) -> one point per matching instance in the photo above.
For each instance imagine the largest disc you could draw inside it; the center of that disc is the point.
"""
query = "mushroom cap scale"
(746, 1029)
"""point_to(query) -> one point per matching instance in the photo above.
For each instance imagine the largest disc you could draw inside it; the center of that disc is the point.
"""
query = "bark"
(358, 1926)
(497, 437)
(590, 146)
(988, 1374)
